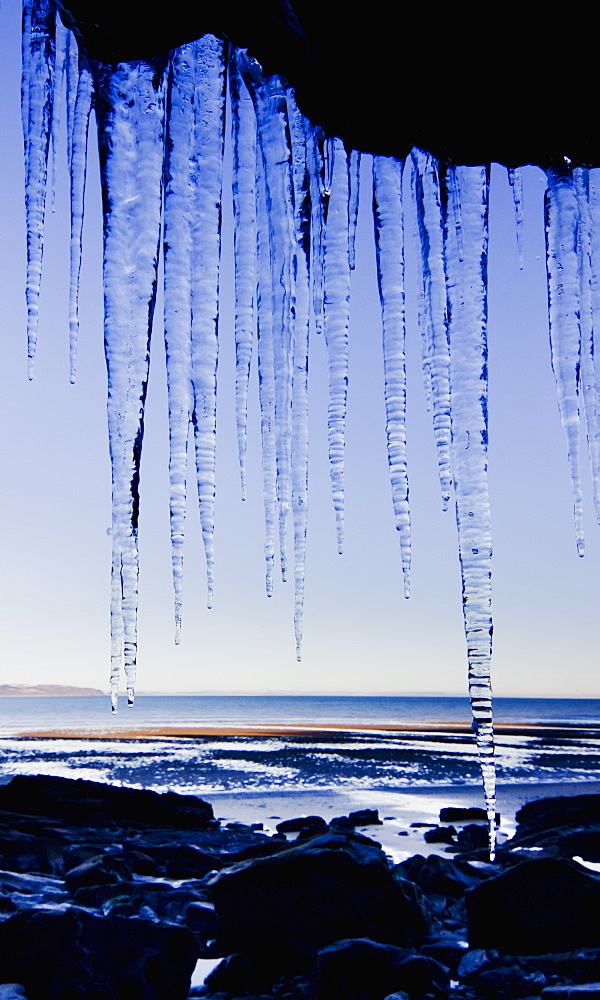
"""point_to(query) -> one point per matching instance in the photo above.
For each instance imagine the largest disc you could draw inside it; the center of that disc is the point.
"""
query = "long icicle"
(465, 239)
(563, 309)
(130, 113)
(270, 101)
(300, 150)
(243, 124)
(177, 242)
(433, 319)
(337, 317)
(587, 369)
(594, 214)
(78, 170)
(389, 243)
(207, 184)
(37, 97)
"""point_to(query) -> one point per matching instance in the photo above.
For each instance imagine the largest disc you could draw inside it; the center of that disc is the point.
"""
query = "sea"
(273, 758)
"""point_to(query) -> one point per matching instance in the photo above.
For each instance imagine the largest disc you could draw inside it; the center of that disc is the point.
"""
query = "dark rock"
(74, 954)
(302, 824)
(567, 810)
(235, 975)
(439, 875)
(22, 852)
(579, 966)
(473, 837)
(509, 981)
(536, 907)
(460, 814)
(365, 817)
(104, 869)
(83, 802)
(584, 991)
(475, 961)
(282, 910)
(341, 824)
(201, 919)
(186, 861)
(140, 863)
(360, 968)
(449, 951)
(440, 835)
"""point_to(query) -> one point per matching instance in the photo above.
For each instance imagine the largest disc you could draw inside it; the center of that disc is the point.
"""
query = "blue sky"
(361, 635)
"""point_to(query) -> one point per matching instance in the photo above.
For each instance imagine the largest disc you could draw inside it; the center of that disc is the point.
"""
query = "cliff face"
(45, 690)
(466, 88)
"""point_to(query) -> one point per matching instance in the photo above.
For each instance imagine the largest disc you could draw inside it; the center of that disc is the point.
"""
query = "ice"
(130, 114)
(243, 124)
(300, 131)
(270, 102)
(562, 218)
(37, 98)
(337, 316)
(515, 178)
(354, 198)
(465, 251)
(192, 247)
(389, 242)
(78, 146)
(433, 320)
(594, 223)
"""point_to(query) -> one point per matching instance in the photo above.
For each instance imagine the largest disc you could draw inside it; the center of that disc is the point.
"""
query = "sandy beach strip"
(315, 731)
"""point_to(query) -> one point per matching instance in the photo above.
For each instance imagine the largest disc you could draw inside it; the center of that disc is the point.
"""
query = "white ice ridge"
(295, 200)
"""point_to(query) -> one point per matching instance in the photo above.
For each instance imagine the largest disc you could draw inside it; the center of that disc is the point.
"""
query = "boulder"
(536, 907)
(361, 969)
(187, 861)
(83, 802)
(71, 954)
(303, 824)
(461, 814)
(440, 835)
(365, 817)
(566, 810)
(104, 869)
(280, 911)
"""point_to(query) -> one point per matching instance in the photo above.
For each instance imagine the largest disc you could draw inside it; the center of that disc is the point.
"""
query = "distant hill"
(47, 690)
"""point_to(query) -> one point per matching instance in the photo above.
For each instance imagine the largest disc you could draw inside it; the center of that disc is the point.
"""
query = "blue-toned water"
(347, 759)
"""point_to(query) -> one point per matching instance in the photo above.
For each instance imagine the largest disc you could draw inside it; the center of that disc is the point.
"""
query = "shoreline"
(149, 732)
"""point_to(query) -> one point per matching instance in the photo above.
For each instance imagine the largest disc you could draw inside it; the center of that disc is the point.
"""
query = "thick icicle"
(353, 201)
(594, 218)
(466, 238)
(130, 112)
(78, 169)
(61, 49)
(270, 101)
(318, 200)
(433, 321)
(207, 184)
(178, 300)
(515, 178)
(337, 316)
(563, 307)
(587, 374)
(300, 151)
(266, 375)
(193, 183)
(243, 121)
(389, 242)
(37, 94)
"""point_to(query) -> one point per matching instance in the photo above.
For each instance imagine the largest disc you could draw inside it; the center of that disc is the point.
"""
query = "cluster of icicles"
(295, 195)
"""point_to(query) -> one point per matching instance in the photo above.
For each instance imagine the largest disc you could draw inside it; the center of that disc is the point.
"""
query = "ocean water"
(566, 750)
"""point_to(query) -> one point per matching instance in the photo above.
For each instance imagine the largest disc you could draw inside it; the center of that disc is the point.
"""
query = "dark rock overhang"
(472, 86)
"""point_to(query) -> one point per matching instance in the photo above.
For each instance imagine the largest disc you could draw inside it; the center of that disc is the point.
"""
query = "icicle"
(336, 310)
(37, 90)
(594, 222)
(515, 178)
(354, 187)
(72, 84)
(244, 207)
(433, 321)
(192, 253)
(389, 242)
(78, 168)
(130, 133)
(317, 222)
(61, 46)
(270, 101)
(266, 375)
(466, 286)
(587, 375)
(300, 151)
(563, 305)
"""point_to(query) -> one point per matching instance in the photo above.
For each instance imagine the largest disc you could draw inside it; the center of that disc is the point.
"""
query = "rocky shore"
(111, 893)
